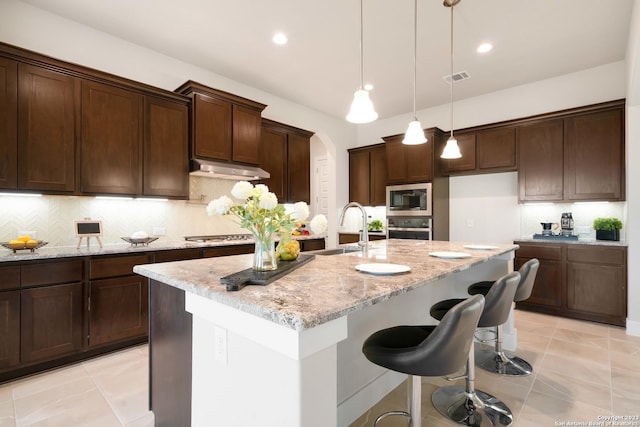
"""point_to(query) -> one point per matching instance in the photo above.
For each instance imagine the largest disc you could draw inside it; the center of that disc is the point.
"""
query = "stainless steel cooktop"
(218, 238)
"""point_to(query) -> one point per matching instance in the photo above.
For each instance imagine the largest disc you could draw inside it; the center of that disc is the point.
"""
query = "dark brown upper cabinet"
(224, 126)
(412, 163)
(540, 168)
(47, 108)
(166, 148)
(594, 156)
(576, 155)
(8, 123)
(285, 152)
(111, 146)
(368, 175)
(484, 151)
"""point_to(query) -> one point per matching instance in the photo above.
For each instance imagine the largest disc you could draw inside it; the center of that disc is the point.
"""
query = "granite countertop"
(50, 252)
(324, 289)
(580, 241)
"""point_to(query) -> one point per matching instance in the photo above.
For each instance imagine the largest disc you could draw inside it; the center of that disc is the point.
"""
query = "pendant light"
(414, 134)
(361, 110)
(451, 150)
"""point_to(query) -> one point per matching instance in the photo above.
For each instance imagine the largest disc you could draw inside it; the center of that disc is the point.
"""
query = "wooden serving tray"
(239, 280)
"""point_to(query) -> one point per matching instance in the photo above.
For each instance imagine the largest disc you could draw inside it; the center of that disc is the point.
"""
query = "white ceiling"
(319, 68)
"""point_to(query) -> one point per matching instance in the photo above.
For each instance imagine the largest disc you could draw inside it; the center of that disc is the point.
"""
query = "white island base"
(250, 371)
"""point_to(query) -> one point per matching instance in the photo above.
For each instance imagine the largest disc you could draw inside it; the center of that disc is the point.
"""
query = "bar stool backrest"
(528, 272)
(447, 347)
(498, 300)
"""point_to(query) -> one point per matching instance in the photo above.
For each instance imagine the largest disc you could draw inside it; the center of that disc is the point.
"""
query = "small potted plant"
(607, 228)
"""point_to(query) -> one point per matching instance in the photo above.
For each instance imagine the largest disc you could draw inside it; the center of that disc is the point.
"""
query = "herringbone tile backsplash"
(52, 217)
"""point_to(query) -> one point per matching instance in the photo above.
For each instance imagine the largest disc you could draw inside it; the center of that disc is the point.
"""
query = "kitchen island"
(289, 353)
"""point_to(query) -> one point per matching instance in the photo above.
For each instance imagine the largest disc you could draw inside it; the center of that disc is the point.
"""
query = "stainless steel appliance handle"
(407, 229)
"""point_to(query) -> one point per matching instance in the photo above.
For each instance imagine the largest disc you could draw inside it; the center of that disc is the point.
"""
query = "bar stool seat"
(425, 350)
(466, 405)
(497, 360)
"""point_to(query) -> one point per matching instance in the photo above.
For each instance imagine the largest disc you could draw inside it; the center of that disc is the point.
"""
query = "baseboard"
(633, 328)
(357, 404)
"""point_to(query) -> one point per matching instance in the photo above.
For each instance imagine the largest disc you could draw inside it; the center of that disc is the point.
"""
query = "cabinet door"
(166, 149)
(118, 309)
(51, 321)
(46, 130)
(594, 156)
(359, 177)
(496, 149)
(212, 128)
(598, 290)
(298, 168)
(467, 144)
(540, 164)
(396, 164)
(378, 176)
(419, 160)
(547, 288)
(9, 329)
(8, 124)
(111, 146)
(273, 159)
(246, 134)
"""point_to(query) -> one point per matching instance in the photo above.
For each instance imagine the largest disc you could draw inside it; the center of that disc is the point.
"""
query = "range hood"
(222, 170)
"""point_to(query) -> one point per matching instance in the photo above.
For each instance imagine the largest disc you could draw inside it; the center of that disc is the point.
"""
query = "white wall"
(31, 28)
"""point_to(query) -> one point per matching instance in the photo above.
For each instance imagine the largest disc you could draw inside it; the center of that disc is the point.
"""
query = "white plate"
(448, 254)
(382, 268)
(480, 247)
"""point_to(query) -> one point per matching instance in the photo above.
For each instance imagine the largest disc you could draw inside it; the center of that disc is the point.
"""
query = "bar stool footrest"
(473, 409)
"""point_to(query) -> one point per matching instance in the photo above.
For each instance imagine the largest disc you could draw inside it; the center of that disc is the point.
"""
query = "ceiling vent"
(457, 77)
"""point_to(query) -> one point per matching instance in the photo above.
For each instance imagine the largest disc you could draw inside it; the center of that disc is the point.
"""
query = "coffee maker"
(566, 224)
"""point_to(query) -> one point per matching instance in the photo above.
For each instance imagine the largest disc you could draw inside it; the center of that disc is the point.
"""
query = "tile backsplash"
(52, 217)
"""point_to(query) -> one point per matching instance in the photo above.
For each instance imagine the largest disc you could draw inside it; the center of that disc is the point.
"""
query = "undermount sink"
(337, 251)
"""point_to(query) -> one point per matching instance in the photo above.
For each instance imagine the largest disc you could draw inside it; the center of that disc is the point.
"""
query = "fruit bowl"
(140, 240)
(15, 247)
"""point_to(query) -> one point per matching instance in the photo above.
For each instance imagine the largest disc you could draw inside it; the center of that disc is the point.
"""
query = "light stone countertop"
(580, 241)
(52, 252)
(324, 289)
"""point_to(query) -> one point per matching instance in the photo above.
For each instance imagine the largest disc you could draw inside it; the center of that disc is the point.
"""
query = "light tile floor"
(108, 391)
(582, 371)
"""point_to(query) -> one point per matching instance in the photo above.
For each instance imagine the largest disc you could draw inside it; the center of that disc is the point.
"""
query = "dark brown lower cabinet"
(9, 329)
(51, 321)
(169, 356)
(312, 245)
(579, 281)
(355, 237)
(118, 309)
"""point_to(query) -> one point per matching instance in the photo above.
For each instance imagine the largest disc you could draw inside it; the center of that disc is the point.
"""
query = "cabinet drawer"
(177, 255)
(527, 250)
(116, 266)
(596, 254)
(228, 250)
(48, 273)
(9, 277)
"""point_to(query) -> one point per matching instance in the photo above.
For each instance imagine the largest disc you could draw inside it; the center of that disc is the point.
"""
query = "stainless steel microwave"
(409, 200)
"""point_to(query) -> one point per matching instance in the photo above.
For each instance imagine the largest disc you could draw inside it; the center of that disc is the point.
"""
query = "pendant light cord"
(451, 75)
(415, 54)
(361, 54)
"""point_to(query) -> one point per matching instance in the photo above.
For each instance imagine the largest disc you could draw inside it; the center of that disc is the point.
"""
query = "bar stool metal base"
(501, 363)
(414, 403)
(471, 409)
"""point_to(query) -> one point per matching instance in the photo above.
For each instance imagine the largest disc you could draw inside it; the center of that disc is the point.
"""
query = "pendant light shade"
(451, 150)
(414, 134)
(361, 110)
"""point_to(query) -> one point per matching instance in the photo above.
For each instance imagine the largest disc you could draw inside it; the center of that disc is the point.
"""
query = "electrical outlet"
(469, 222)
(158, 231)
(220, 336)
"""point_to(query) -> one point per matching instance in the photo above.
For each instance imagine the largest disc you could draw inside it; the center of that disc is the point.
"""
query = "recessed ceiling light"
(368, 87)
(484, 48)
(280, 38)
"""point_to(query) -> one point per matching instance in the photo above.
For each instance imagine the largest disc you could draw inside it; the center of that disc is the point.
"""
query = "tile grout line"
(102, 394)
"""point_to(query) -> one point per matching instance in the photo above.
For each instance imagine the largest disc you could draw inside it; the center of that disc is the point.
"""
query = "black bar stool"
(430, 351)
(496, 360)
(466, 405)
